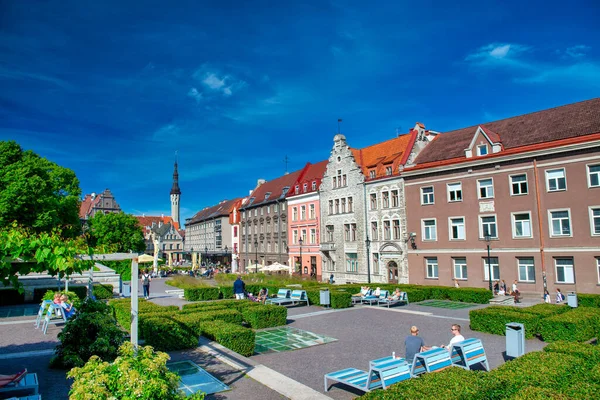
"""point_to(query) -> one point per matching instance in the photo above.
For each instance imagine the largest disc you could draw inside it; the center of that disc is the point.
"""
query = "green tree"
(37, 193)
(116, 232)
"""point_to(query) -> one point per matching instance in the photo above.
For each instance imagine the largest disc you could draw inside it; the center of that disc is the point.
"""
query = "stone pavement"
(363, 333)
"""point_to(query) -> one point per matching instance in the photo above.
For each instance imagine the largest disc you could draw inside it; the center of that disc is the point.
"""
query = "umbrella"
(276, 267)
(145, 258)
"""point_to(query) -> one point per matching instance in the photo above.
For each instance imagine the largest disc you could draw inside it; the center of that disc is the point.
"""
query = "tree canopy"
(116, 232)
(37, 193)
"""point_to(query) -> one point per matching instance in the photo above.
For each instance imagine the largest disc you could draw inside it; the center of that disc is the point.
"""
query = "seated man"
(457, 337)
(396, 295)
(414, 344)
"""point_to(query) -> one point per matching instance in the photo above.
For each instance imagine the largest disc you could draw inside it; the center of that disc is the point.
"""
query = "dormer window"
(482, 150)
(267, 195)
(372, 174)
(297, 188)
(314, 185)
(305, 187)
(388, 171)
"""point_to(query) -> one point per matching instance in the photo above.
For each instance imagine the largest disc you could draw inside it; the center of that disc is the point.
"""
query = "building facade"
(304, 233)
(163, 238)
(234, 221)
(526, 188)
(103, 203)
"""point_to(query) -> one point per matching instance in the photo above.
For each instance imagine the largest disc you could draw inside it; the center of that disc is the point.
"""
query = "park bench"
(390, 302)
(382, 373)
(299, 296)
(283, 296)
(469, 352)
(383, 294)
(433, 360)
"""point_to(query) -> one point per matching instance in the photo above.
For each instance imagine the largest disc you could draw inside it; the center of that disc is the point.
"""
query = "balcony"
(327, 246)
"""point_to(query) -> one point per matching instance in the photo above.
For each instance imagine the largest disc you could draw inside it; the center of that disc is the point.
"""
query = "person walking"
(331, 279)
(515, 292)
(239, 288)
(146, 279)
(560, 297)
(456, 337)
(414, 344)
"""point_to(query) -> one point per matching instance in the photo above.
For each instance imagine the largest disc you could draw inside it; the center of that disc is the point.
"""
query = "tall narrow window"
(343, 205)
(294, 236)
(388, 171)
(374, 231)
(311, 211)
(386, 230)
(396, 229)
(351, 262)
(295, 214)
(431, 265)
(347, 232)
(427, 195)
(329, 233)
(457, 229)
(373, 201)
(353, 232)
(313, 236)
(372, 174)
(350, 205)
(302, 213)
(460, 268)
(386, 199)
(330, 207)
(337, 206)
(395, 198)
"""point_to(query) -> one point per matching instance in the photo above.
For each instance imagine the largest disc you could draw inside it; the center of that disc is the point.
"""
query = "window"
(295, 214)
(457, 229)
(595, 220)
(268, 209)
(388, 171)
(294, 236)
(244, 214)
(486, 188)
(560, 223)
(372, 174)
(330, 207)
(482, 150)
(297, 189)
(396, 229)
(521, 223)
(376, 263)
(275, 207)
(339, 177)
(344, 180)
(311, 211)
(594, 175)
(494, 266)
(302, 213)
(268, 247)
(305, 187)
(556, 180)
(460, 268)
(353, 232)
(455, 191)
(337, 206)
(313, 235)
(303, 235)
(334, 182)
(427, 195)
(256, 212)
(235, 231)
(518, 184)
(394, 198)
(343, 205)
(432, 267)
(386, 230)
(347, 232)
(429, 229)
(526, 269)
(374, 231)
(385, 202)
(373, 201)
(329, 233)
(488, 226)
(350, 206)
(262, 211)
(351, 262)
(564, 270)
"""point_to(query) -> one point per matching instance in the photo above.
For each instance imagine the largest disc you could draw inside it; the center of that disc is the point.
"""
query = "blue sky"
(113, 90)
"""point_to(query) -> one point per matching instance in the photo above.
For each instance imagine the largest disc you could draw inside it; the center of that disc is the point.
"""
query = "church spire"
(175, 194)
(175, 188)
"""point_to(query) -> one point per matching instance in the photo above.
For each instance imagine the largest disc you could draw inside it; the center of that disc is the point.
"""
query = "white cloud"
(215, 82)
(495, 52)
(212, 81)
(195, 94)
(500, 51)
(166, 132)
(577, 51)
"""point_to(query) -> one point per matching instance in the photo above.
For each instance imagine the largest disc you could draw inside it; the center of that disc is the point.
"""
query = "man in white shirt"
(457, 337)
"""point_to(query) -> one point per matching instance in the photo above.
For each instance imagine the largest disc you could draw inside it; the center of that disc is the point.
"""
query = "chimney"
(260, 182)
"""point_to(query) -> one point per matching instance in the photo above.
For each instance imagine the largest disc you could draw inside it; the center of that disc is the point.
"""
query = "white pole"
(134, 303)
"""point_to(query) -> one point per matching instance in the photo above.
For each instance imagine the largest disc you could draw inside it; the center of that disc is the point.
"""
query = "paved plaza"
(361, 333)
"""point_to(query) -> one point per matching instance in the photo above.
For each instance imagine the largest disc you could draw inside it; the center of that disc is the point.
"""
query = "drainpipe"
(539, 208)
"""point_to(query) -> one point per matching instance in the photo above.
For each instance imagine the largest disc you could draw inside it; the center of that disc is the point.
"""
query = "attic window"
(314, 185)
(482, 150)
(388, 171)
(267, 195)
(285, 190)
(297, 189)
(372, 174)
(305, 187)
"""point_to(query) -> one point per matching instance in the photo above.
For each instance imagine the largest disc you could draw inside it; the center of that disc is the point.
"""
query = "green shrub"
(193, 320)
(92, 331)
(39, 293)
(196, 294)
(103, 292)
(588, 300)
(265, 316)
(578, 325)
(494, 319)
(587, 353)
(186, 282)
(545, 309)
(167, 334)
(143, 376)
(207, 305)
(234, 337)
(9, 297)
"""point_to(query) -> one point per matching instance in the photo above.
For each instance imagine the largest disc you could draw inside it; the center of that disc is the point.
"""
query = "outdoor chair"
(383, 294)
(299, 296)
(469, 352)
(390, 302)
(433, 360)
(59, 317)
(283, 297)
(359, 299)
(382, 373)
(19, 384)
(40, 315)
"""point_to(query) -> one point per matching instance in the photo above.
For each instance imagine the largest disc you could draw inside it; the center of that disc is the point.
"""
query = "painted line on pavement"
(25, 354)
(29, 321)
(427, 314)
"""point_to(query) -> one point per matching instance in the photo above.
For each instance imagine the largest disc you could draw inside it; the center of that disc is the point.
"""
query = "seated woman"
(14, 378)
(396, 295)
(363, 291)
(262, 295)
(68, 309)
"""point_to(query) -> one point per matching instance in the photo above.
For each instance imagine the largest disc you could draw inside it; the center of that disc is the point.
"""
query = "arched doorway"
(392, 272)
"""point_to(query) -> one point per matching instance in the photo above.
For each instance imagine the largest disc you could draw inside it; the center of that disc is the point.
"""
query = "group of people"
(239, 290)
(501, 289)
(415, 344)
(365, 290)
(560, 296)
(60, 300)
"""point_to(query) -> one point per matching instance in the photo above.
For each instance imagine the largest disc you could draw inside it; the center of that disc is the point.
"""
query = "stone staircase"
(525, 300)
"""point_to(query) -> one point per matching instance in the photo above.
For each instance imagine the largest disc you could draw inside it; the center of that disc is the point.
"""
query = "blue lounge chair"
(26, 384)
(390, 302)
(469, 352)
(43, 307)
(299, 296)
(59, 317)
(433, 360)
(283, 297)
(359, 298)
(383, 294)
(382, 373)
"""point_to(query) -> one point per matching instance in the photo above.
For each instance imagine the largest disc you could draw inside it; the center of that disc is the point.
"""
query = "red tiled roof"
(310, 174)
(274, 187)
(147, 220)
(384, 154)
(220, 210)
(569, 121)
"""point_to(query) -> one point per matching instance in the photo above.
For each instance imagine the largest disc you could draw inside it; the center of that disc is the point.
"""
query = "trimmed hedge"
(588, 300)
(208, 293)
(234, 337)
(493, 319)
(577, 325)
(10, 297)
(194, 321)
(103, 292)
(265, 316)
(167, 334)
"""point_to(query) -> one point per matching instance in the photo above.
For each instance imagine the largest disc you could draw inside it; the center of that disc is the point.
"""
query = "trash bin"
(126, 290)
(572, 299)
(515, 339)
(325, 298)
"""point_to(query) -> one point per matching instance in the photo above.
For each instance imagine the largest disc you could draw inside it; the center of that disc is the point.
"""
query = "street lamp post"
(256, 255)
(206, 256)
(192, 258)
(300, 242)
(368, 243)
(225, 262)
(488, 239)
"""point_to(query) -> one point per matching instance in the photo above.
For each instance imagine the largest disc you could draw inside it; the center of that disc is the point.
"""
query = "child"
(69, 310)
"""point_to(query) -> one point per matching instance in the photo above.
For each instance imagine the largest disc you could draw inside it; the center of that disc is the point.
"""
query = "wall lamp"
(411, 238)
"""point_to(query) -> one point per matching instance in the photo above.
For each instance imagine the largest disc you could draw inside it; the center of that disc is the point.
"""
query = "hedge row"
(234, 337)
(265, 316)
(103, 292)
(551, 322)
(562, 371)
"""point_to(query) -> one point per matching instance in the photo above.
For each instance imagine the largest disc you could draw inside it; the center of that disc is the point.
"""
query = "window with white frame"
(303, 235)
(396, 229)
(268, 247)
(494, 266)
(482, 150)
(294, 236)
(521, 224)
(385, 202)
(256, 212)
(388, 171)
(395, 198)
(295, 214)
(556, 180)
(372, 174)
(313, 236)
(376, 263)
(311, 211)
(353, 232)
(593, 175)
(431, 265)
(488, 226)
(518, 184)
(455, 191)
(560, 223)
(351, 262)
(373, 201)
(337, 206)
(350, 205)
(305, 187)
(564, 270)
(275, 207)
(460, 267)
(386, 230)
(302, 213)
(486, 188)
(429, 229)
(595, 220)
(457, 228)
(330, 207)
(262, 211)
(427, 195)
(314, 185)
(526, 269)
(374, 231)
(329, 233)
(347, 232)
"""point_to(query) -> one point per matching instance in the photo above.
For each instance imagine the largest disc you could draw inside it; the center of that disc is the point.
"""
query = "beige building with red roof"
(527, 186)
(163, 235)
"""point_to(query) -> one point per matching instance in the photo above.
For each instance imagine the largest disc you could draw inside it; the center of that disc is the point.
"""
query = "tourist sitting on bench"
(456, 337)
(67, 308)
(363, 292)
(396, 295)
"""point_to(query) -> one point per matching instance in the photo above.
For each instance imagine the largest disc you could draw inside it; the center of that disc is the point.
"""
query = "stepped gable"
(309, 174)
(381, 155)
(274, 189)
(221, 209)
(559, 123)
